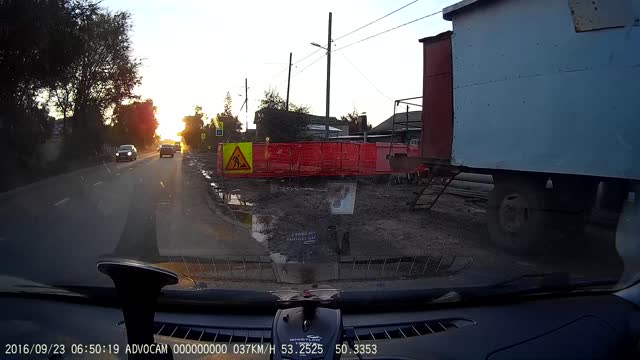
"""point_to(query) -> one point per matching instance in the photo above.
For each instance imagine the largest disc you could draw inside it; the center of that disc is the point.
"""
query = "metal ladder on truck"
(437, 182)
(439, 176)
(401, 125)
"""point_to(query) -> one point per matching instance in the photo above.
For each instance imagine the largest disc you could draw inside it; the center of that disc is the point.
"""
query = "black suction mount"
(138, 285)
(309, 326)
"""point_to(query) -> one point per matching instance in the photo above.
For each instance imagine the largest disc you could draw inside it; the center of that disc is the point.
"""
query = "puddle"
(260, 226)
(206, 174)
(231, 199)
(278, 258)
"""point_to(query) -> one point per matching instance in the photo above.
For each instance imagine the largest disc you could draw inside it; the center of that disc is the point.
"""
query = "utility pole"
(326, 120)
(245, 105)
(288, 82)
(246, 97)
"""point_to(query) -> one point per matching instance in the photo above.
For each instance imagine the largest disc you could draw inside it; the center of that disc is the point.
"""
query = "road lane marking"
(130, 168)
(98, 183)
(61, 202)
(106, 167)
(117, 173)
(161, 183)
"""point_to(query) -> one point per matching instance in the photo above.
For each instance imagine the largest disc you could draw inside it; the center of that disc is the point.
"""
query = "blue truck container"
(534, 91)
(544, 95)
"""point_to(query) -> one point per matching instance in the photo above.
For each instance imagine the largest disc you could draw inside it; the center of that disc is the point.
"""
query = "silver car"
(126, 152)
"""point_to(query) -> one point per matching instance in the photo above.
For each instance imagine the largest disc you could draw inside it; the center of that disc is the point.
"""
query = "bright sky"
(194, 51)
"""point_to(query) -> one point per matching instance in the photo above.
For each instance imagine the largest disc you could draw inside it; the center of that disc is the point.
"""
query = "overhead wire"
(345, 35)
(304, 68)
(365, 77)
(354, 43)
(375, 21)
(295, 63)
(306, 57)
(388, 30)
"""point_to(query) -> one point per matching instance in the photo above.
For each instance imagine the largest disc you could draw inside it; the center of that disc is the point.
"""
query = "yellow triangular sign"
(237, 161)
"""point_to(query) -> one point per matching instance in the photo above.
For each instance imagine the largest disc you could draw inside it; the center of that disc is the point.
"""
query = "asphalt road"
(53, 231)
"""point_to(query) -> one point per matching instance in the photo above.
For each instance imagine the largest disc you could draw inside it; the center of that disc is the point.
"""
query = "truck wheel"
(518, 214)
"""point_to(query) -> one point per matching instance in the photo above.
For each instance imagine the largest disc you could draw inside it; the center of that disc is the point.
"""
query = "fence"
(318, 159)
(109, 149)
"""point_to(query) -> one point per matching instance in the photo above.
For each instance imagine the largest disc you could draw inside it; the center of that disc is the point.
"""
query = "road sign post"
(220, 129)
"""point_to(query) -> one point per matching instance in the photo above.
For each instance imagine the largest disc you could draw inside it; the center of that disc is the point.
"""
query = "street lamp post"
(328, 48)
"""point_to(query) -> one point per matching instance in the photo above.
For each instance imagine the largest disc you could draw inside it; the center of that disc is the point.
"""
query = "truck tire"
(518, 214)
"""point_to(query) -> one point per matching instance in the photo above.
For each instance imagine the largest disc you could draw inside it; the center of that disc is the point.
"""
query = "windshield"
(401, 154)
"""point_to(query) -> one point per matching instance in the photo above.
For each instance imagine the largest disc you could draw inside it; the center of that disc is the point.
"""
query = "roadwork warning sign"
(238, 158)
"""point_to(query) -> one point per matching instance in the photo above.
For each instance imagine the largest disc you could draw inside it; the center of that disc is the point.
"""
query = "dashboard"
(576, 327)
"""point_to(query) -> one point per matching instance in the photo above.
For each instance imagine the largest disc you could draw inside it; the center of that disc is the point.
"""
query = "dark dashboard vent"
(217, 334)
(263, 335)
(405, 330)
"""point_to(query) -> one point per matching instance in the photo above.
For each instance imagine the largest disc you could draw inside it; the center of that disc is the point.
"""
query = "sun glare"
(169, 125)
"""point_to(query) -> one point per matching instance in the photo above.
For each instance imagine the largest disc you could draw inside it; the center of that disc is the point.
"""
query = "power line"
(345, 35)
(306, 57)
(353, 31)
(376, 20)
(386, 31)
(304, 68)
(366, 78)
(294, 64)
(308, 66)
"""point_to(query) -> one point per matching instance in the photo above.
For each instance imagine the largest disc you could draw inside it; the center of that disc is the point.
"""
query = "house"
(317, 131)
(406, 129)
(342, 127)
(285, 126)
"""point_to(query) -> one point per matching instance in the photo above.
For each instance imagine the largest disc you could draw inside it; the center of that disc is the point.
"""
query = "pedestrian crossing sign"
(238, 158)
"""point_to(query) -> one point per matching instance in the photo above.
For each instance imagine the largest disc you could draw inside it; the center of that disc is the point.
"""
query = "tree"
(193, 125)
(353, 118)
(350, 117)
(39, 43)
(136, 123)
(273, 121)
(106, 73)
(76, 55)
(232, 126)
(272, 100)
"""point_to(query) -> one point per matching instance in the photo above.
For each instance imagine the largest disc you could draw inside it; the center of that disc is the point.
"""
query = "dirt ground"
(382, 224)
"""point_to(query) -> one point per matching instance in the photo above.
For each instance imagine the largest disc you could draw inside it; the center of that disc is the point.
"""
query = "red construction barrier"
(317, 159)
